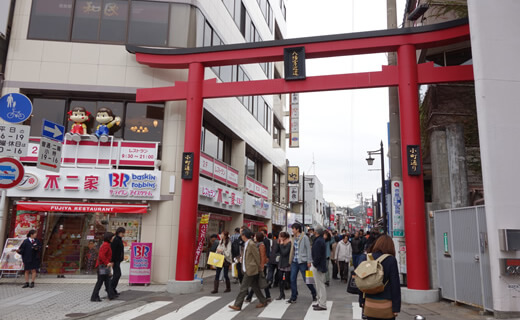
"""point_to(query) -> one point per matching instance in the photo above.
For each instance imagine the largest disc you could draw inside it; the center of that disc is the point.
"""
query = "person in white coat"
(343, 255)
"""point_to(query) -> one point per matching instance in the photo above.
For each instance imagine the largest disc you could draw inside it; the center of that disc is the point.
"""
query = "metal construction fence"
(463, 256)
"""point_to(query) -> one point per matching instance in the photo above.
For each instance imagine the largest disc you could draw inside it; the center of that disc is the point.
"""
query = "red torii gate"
(407, 75)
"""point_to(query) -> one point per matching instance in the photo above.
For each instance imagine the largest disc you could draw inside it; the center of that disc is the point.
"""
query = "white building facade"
(71, 53)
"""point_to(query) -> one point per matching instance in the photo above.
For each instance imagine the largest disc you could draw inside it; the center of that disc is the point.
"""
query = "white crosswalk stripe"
(275, 309)
(134, 313)
(188, 309)
(226, 313)
(356, 311)
(318, 315)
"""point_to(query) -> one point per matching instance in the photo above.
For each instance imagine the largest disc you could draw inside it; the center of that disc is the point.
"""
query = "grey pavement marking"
(42, 295)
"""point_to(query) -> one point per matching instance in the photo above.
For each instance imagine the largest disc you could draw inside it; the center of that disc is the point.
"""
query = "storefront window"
(86, 20)
(143, 122)
(114, 21)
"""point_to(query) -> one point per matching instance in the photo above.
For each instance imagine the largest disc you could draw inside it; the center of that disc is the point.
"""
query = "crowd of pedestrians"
(265, 261)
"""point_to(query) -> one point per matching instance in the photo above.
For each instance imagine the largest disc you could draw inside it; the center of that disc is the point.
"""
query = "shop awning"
(254, 222)
(79, 207)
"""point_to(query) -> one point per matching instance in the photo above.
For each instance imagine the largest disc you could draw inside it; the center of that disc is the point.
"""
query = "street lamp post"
(370, 161)
(311, 184)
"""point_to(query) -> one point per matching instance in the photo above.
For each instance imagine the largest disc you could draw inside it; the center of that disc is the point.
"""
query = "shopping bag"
(309, 278)
(351, 286)
(103, 270)
(234, 271)
(216, 259)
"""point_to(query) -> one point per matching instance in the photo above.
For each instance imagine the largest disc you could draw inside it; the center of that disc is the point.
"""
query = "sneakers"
(318, 308)
(291, 301)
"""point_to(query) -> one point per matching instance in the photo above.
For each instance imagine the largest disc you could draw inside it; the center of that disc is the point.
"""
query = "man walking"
(251, 269)
(357, 249)
(118, 255)
(301, 260)
(319, 268)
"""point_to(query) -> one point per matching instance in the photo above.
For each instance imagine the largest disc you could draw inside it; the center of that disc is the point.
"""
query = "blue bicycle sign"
(15, 107)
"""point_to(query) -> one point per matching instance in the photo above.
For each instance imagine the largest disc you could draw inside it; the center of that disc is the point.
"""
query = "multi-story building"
(65, 54)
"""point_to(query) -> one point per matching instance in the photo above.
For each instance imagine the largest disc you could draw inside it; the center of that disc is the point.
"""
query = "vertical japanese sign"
(397, 209)
(140, 263)
(293, 174)
(187, 165)
(294, 134)
(413, 155)
(203, 229)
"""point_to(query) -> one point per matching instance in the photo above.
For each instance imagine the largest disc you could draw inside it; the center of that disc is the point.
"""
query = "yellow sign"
(293, 174)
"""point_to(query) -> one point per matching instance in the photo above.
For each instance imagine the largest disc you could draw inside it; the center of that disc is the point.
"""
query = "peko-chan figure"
(106, 120)
(80, 116)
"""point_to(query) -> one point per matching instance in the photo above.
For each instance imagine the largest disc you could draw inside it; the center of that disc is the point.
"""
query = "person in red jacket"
(104, 262)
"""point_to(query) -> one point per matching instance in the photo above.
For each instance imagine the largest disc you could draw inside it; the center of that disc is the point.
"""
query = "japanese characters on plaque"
(14, 140)
(294, 63)
(187, 165)
(413, 157)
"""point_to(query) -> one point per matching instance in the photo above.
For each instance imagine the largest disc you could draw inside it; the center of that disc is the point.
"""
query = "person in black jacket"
(272, 266)
(392, 292)
(284, 265)
(118, 255)
(319, 268)
(30, 252)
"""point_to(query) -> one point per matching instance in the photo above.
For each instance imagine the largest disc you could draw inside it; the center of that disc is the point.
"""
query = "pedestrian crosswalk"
(198, 309)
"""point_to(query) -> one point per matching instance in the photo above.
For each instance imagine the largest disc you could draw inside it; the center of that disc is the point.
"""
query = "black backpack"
(235, 248)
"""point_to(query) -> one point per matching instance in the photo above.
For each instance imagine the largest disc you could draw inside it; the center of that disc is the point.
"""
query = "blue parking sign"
(15, 107)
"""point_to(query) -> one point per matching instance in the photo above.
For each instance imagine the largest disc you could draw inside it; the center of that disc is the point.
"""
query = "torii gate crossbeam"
(407, 75)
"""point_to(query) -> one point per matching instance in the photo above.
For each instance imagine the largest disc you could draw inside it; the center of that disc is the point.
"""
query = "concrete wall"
(494, 29)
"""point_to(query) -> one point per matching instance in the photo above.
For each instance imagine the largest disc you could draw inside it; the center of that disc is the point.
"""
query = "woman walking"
(259, 239)
(284, 266)
(30, 252)
(103, 264)
(224, 248)
(386, 304)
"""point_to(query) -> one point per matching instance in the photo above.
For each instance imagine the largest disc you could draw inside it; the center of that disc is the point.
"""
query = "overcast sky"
(337, 128)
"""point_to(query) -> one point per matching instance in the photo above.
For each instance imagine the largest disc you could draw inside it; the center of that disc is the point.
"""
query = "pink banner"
(140, 263)
(203, 229)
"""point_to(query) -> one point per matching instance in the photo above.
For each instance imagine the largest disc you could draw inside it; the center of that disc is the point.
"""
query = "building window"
(148, 23)
(277, 135)
(276, 186)
(215, 144)
(253, 168)
(51, 19)
(139, 122)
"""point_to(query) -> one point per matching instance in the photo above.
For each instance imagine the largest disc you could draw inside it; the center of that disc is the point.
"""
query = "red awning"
(82, 207)
(254, 222)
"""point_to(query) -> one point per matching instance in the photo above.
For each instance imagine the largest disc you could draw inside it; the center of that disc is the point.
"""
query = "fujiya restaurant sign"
(81, 207)
(80, 183)
(216, 195)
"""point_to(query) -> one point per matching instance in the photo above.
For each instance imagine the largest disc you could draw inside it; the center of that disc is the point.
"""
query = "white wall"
(494, 27)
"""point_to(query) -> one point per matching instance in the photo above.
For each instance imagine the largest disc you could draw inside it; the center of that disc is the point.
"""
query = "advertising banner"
(397, 209)
(140, 263)
(203, 229)
(10, 260)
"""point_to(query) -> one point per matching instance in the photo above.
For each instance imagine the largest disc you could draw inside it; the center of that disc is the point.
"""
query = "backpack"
(235, 248)
(370, 275)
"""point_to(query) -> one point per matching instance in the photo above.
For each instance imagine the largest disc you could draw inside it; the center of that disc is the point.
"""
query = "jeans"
(295, 268)
(225, 266)
(356, 260)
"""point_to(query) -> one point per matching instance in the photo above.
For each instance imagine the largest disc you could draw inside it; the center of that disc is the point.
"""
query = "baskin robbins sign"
(79, 183)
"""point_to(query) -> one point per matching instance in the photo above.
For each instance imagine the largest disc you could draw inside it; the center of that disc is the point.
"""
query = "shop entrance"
(407, 75)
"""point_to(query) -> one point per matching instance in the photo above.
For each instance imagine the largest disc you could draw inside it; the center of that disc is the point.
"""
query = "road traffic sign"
(14, 140)
(53, 131)
(49, 155)
(15, 107)
(11, 172)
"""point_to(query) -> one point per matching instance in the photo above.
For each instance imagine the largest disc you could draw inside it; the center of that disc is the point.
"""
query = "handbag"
(378, 308)
(309, 277)
(262, 282)
(234, 271)
(103, 270)
(351, 286)
(216, 259)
